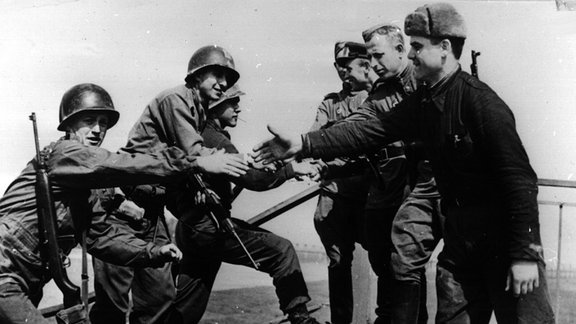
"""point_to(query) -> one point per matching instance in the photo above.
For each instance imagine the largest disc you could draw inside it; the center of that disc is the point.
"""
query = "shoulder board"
(332, 95)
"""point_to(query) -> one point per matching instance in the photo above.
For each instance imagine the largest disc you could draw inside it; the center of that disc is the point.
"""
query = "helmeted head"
(212, 56)
(86, 97)
(87, 106)
(227, 109)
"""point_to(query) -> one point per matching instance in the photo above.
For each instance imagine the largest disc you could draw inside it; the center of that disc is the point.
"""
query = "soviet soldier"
(492, 258)
(75, 163)
(401, 238)
(338, 218)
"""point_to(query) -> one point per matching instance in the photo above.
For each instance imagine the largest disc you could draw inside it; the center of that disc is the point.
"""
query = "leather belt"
(389, 153)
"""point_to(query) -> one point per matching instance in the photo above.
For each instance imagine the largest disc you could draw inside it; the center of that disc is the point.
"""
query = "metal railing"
(561, 205)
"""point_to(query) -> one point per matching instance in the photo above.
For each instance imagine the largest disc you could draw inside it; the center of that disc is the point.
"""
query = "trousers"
(205, 248)
(339, 224)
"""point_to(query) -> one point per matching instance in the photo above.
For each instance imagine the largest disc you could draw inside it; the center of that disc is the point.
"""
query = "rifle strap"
(84, 275)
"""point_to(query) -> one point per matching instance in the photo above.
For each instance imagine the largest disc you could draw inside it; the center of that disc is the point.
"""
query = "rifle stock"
(47, 225)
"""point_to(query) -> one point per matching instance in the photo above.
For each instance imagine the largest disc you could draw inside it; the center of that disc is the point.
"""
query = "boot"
(406, 304)
(299, 315)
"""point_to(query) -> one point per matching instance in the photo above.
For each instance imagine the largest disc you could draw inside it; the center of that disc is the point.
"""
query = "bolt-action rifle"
(474, 65)
(49, 249)
(219, 214)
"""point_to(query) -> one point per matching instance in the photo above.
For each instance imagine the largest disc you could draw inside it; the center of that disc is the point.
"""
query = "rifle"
(474, 65)
(49, 249)
(219, 214)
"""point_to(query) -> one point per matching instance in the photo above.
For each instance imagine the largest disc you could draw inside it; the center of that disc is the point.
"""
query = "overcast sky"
(283, 50)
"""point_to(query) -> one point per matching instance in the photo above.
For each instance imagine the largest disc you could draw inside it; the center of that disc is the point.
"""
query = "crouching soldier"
(75, 164)
(132, 253)
(205, 247)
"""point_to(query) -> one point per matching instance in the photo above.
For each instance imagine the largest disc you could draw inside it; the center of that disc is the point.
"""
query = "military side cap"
(233, 92)
(435, 20)
(344, 51)
(387, 26)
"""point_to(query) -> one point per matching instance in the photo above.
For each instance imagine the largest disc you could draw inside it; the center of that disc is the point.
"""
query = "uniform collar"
(437, 93)
(211, 123)
(404, 79)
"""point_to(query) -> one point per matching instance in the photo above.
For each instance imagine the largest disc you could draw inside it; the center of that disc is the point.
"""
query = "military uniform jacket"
(181, 203)
(389, 184)
(476, 154)
(174, 118)
(334, 108)
(73, 169)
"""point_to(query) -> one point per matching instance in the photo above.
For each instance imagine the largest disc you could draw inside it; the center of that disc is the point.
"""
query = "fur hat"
(435, 20)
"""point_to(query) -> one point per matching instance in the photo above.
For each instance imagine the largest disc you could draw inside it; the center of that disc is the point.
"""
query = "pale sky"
(283, 50)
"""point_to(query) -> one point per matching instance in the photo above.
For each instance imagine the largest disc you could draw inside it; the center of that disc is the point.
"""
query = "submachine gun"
(74, 311)
(219, 214)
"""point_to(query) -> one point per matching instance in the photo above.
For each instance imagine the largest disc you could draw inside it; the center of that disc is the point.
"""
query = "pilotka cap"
(435, 20)
(344, 51)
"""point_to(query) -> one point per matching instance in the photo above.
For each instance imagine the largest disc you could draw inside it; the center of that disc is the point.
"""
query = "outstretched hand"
(223, 163)
(282, 147)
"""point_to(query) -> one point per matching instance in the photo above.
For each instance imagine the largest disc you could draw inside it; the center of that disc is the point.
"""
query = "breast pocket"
(459, 146)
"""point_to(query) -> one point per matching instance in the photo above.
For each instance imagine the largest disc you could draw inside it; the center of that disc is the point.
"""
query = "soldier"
(389, 183)
(175, 117)
(410, 237)
(492, 258)
(205, 247)
(339, 213)
(75, 164)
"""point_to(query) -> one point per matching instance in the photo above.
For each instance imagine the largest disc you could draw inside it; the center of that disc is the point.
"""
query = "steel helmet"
(231, 93)
(86, 97)
(213, 55)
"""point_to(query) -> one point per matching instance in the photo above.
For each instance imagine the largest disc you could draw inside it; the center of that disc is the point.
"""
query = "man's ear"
(446, 45)
(400, 48)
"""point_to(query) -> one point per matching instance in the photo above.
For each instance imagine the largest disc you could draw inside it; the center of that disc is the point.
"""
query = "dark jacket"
(476, 154)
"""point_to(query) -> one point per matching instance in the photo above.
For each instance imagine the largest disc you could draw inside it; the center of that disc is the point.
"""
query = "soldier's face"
(89, 128)
(386, 59)
(341, 71)
(212, 84)
(427, 58)
(228, 112)
(357, 74)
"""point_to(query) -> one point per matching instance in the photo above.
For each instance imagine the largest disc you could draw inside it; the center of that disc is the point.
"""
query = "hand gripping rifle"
(474, 65)
(219, 214)
(49, 249)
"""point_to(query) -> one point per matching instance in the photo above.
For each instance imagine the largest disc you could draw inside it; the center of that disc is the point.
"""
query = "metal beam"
(287, 204)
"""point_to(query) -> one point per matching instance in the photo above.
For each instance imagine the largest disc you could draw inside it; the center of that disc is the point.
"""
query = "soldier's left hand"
(522, 277)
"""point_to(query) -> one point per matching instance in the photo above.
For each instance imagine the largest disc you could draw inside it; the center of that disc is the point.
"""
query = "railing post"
(558, 262)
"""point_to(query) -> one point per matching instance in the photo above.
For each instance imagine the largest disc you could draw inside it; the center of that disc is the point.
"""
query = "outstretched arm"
(283, 146)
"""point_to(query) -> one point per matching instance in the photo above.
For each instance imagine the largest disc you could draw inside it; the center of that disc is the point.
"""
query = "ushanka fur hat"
(435, 20)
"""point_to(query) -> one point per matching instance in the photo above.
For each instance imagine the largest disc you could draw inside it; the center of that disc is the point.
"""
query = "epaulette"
(332, 95)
